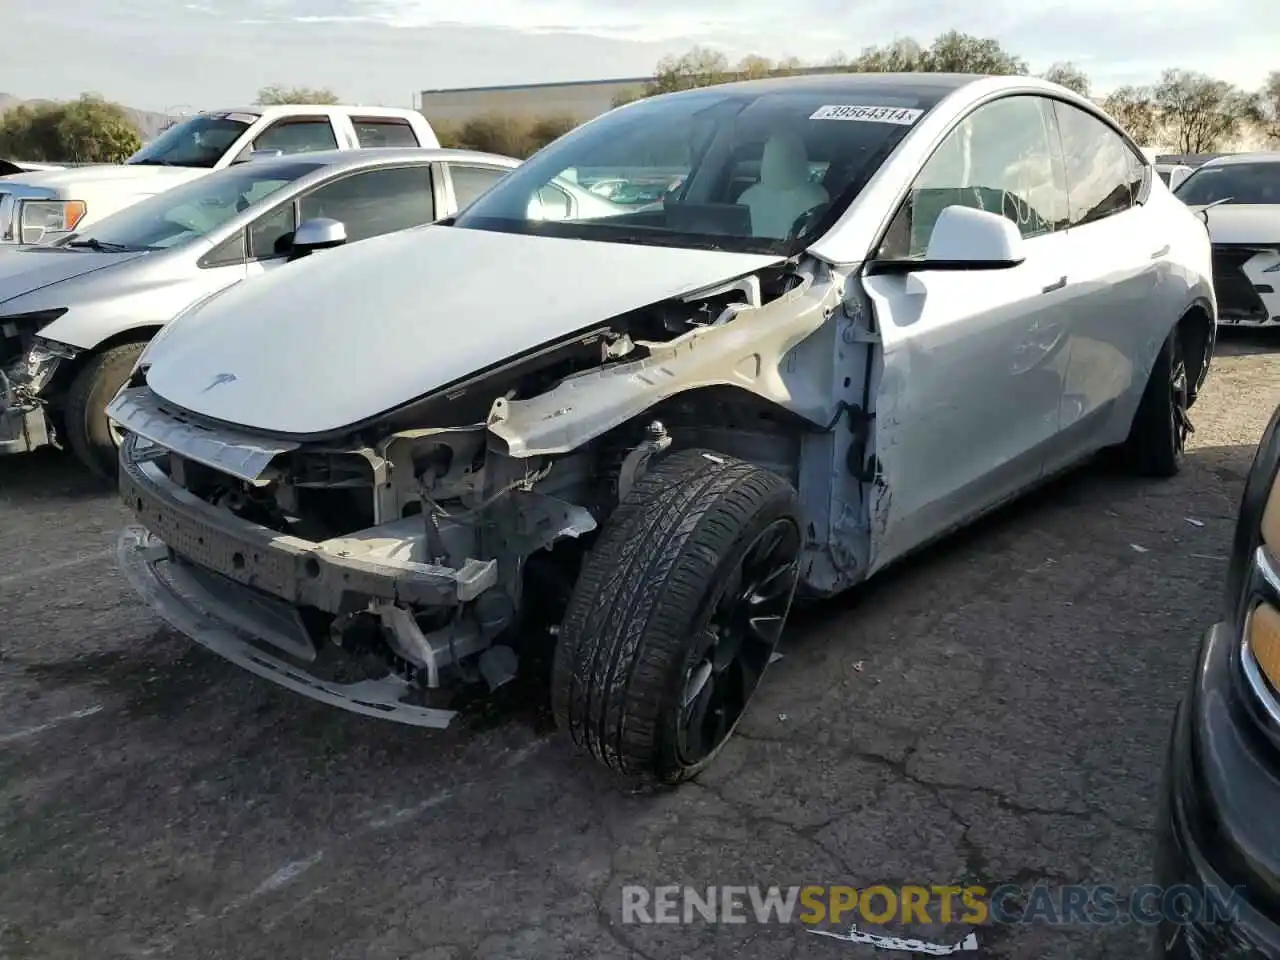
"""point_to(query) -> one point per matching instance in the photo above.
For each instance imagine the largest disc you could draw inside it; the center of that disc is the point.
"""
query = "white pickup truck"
(39, 206)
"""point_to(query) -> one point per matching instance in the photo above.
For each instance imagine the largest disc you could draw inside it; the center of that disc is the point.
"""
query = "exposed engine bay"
(433, 555)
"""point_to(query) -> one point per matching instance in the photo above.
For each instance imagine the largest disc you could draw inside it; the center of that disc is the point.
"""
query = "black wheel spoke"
(1179, 394)
(775, 585)
(744, 630)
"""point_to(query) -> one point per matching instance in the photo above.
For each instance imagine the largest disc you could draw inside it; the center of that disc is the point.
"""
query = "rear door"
(1115, 258)
(973, 359)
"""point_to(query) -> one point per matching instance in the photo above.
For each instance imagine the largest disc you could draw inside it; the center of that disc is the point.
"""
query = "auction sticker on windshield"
(903, 116)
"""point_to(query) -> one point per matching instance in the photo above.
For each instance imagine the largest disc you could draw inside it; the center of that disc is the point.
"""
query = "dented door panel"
(969, 401)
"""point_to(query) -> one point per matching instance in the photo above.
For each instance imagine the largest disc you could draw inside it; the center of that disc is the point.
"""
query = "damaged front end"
(27, 366)
(351, 574)
(384, 569)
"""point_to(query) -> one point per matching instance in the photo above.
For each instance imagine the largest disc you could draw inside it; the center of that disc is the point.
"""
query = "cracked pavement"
(995, 711)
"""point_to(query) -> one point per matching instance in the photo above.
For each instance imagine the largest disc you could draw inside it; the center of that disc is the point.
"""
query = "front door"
(974, 361)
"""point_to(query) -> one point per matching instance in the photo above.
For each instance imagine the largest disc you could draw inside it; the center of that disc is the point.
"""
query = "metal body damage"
(414, 550)
(399, 469)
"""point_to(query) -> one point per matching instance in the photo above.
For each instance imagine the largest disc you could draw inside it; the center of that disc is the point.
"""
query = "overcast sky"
(158, 54)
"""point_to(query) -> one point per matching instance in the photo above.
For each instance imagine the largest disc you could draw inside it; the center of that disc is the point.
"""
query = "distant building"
(582, 100)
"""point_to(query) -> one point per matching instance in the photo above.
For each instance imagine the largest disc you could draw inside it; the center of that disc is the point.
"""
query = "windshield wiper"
(152, 162)
(93, 243)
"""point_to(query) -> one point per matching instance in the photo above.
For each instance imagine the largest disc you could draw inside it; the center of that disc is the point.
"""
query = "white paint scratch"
(406, 814)
(286, 874)
(524, 753)
(51, 568)
(48, 725)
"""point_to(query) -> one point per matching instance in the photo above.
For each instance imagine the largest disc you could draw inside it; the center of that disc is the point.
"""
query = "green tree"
(956, 52)
(903, 55)
(1134, 108)
(630, 95)
(87, 130)
(1068, 75)
(277, 94)
(496, 133)
(700, 67)
(544, 130)
(1199, 112)
(951, 52)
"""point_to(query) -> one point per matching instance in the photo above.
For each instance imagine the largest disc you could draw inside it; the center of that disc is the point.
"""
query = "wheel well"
(735, 422)
(1196, 331)
(66, 372)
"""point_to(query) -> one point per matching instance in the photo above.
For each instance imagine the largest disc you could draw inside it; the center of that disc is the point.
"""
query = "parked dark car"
(1219, 822)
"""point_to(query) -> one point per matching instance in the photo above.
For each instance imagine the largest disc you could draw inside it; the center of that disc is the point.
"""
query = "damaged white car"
(874, 308)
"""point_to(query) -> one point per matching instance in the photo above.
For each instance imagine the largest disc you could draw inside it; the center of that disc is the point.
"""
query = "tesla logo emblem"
(219, 380)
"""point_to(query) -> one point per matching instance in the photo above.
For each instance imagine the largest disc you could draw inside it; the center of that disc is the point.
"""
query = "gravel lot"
(996, 711)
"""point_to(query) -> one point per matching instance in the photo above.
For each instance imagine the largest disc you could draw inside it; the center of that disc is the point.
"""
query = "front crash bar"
(182, 603)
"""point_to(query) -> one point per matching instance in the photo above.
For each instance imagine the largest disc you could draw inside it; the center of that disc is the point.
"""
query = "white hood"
(348, 334)
(135, 178)
(1244, 223)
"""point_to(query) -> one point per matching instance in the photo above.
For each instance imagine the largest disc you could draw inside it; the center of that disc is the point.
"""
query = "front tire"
(676, 614)
(1158, 436)
(88, 431)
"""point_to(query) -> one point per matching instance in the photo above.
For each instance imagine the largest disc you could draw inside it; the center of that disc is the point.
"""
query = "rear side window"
(470, 182)
(298, 136)
(384, 132)
(1104, 176)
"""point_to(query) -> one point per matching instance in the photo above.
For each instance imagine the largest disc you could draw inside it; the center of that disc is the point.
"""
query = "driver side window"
(1002, 158)
(270, 234)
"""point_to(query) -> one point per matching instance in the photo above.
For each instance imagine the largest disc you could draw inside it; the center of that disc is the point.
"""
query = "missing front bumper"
(217, 620)
(22, 431)
(329, 576)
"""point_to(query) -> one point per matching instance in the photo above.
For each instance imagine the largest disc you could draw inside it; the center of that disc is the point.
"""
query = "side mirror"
(318, 234)
(964, 238)
(1176, 177)
(974, 240)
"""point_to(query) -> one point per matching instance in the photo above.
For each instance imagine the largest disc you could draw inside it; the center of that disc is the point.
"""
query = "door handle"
(1160, 253)
(1056, 285)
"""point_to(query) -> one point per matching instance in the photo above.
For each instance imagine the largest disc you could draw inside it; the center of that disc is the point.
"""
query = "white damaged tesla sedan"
(864, 310)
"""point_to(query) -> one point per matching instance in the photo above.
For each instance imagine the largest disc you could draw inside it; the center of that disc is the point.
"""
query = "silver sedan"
(75, 316)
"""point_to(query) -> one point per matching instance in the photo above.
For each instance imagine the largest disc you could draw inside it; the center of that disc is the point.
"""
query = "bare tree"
(1269, 105)
(1068, 75)
(1201, 113)
(1134, 108)
(753, 67)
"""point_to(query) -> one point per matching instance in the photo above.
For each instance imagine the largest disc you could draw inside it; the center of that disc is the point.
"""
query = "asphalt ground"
(995, 711)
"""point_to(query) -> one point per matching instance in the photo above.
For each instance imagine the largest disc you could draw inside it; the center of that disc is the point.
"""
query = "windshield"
(199, 142)
(193, 210)
(727, 169)
(1241, 182)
